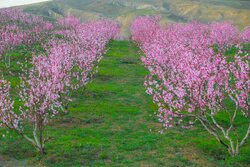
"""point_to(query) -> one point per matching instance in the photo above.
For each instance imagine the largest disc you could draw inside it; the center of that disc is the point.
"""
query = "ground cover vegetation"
(74, 94)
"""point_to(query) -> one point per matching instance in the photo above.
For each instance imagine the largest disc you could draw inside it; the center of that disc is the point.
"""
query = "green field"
(112, 123)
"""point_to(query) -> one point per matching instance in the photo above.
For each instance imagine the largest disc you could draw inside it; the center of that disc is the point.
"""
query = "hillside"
(171, 10)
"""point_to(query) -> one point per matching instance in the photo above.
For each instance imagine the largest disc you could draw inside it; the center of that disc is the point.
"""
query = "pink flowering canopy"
(71, 51)
(190, 79)
(20, 28)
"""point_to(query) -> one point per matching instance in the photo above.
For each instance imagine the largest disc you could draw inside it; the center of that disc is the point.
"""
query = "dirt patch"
(146, 164)
(71, 121)
(194, 156)
(129, 61)
(171, 153)
(2, 158)
(103, 77)
(92, 94)
(11, 162)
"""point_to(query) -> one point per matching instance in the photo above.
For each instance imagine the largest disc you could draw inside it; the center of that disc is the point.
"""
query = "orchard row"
(193, 79)
(68, 56)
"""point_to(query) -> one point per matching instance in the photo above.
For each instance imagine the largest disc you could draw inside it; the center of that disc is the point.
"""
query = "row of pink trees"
(86, 44)
(71, 54)
(20, 28)
(191, 78)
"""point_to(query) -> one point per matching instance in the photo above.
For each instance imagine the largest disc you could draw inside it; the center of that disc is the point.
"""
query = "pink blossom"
(190, 80)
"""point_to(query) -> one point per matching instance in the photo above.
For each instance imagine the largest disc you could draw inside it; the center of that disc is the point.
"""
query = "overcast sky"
(9, 3)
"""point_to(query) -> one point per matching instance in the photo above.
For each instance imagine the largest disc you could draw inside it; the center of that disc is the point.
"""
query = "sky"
(9, 3)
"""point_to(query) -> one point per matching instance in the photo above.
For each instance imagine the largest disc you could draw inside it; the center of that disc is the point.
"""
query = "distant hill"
(237, 11)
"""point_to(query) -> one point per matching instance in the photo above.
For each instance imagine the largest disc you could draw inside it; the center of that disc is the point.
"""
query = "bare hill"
(237, 11)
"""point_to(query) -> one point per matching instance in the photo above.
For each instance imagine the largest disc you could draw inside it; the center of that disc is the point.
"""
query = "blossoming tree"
(66, 64)
(190, 80)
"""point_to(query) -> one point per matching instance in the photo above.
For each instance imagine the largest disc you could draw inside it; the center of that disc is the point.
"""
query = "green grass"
(112, 123)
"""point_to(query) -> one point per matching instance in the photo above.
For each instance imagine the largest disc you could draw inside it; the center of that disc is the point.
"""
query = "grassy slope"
(112, 123)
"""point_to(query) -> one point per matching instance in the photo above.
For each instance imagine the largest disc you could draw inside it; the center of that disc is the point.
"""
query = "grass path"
(112, 123)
